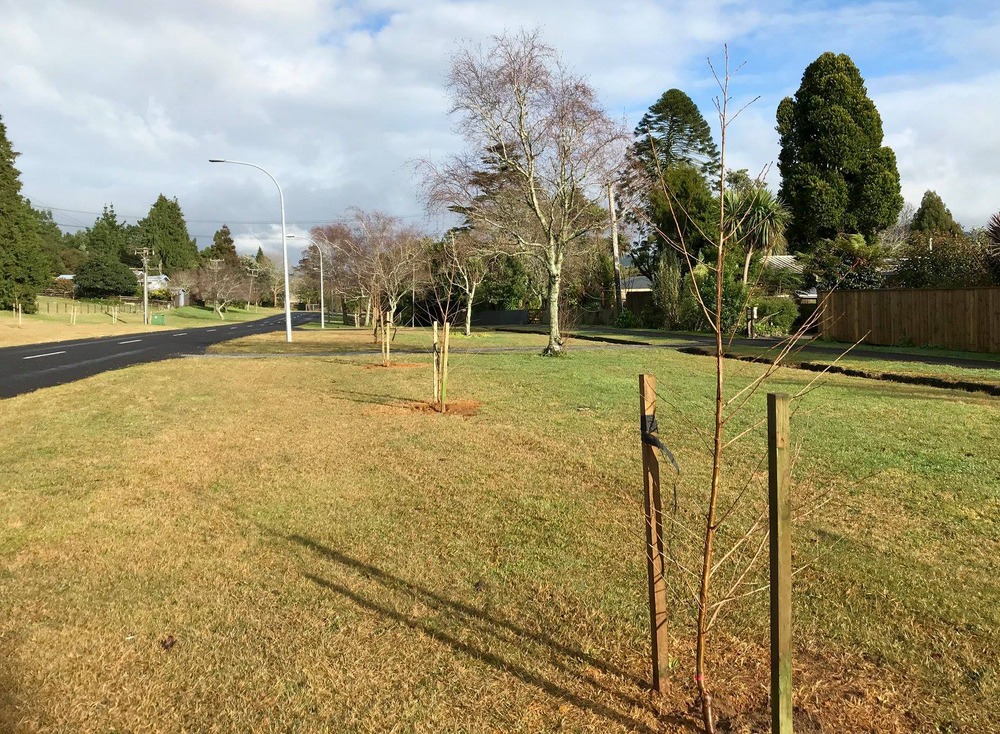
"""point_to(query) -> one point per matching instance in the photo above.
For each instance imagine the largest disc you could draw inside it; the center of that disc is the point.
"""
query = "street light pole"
(284, 240)
(322, 288)
(322, 291)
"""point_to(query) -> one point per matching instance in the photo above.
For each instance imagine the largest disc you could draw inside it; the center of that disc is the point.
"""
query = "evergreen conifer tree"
(164, 231)
(836, 176)
(24, 266)
(934, 217)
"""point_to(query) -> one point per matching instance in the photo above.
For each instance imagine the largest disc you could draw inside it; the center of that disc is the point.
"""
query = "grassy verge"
(326, 559)
(918, 351)
(348, 339)
(47, 326)
(879, 368)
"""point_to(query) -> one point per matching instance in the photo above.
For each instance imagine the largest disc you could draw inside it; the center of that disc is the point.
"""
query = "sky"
(117, 101)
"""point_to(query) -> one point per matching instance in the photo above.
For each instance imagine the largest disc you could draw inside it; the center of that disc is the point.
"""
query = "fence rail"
(966, 319)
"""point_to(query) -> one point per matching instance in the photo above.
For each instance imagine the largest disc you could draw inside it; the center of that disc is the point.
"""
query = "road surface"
(34, 366)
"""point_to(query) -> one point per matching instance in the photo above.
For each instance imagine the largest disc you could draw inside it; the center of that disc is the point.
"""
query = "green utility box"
(159, 319)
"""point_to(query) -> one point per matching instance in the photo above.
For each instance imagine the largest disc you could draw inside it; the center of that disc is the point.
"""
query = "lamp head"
(216, 160)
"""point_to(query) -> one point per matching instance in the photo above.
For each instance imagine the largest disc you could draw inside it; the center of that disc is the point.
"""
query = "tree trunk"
(554, 347)
(468, 311)
(614, 251)
(746, 265)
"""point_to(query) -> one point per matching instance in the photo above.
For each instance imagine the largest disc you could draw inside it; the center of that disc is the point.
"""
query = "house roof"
(637, 283)
(783, 262)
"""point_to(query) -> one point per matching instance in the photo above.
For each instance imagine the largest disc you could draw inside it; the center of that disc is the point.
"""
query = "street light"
(322, 290)
(284, 242)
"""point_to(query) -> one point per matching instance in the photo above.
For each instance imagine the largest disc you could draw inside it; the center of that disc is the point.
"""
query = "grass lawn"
(877, 366)
(310, 339)
(319, 557)
(49, 325)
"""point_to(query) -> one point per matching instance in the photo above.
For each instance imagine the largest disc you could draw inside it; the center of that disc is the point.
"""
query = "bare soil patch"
(463, 408)
(394, 366)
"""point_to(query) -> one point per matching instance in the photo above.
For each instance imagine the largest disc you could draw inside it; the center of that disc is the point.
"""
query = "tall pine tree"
(836, 176)
(933, 217)
(24, 266)
(674, 146)
(107, 238)
(674, 132)
(223, 247)
(164, 231)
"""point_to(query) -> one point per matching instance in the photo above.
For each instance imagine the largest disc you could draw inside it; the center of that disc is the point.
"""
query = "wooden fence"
(966, 319)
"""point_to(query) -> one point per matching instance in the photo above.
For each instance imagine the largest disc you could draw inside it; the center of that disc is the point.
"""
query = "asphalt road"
(34, 366)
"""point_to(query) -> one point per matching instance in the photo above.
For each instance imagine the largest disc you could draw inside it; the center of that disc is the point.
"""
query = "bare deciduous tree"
(522, 110)
(221, 283)
(469, 260)
(894, 237)
(719, 534)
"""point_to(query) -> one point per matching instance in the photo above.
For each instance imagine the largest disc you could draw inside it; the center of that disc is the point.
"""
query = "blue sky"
(115, 102)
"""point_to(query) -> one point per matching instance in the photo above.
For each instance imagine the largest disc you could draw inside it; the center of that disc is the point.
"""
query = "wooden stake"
(444, 369)
(780, 519)
(654, 536)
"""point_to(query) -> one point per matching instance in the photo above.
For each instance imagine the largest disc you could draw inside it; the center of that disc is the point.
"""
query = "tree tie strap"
(648, 430)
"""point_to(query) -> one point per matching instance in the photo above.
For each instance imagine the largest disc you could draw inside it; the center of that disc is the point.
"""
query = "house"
(158, 282)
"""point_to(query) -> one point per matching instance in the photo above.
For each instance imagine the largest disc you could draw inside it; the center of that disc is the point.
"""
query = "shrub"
(627, 320)
(691, 316)
(666, 292)
(775, 315)
(61, 288)
(847, 262)
(775, 281)
(942, 261)
(105, 276)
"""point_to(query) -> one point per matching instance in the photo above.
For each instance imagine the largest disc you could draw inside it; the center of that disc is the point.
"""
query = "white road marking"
(181, 334)
(47, 354)
(211, 329)
(130, 341)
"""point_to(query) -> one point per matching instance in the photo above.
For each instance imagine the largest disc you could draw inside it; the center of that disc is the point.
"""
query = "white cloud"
(118, 101)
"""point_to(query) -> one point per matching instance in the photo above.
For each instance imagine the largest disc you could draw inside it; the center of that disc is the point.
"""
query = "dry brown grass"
(330, 559)
(49, 327)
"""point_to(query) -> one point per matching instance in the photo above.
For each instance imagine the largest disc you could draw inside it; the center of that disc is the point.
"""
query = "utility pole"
(253, 270)
(145, 254)
(214, 264)
(614, 249)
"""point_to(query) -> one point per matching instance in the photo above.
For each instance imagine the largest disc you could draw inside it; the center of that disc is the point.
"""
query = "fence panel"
(966, 319)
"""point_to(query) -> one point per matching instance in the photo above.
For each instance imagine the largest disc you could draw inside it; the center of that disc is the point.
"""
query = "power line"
(330, 220)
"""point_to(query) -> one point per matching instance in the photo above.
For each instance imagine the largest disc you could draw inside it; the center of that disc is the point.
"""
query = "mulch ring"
(394, 366)
(463, 408)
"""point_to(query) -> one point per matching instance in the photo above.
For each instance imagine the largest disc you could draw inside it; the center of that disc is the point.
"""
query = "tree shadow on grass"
(12, 699)
(368, 398)
(472, 618)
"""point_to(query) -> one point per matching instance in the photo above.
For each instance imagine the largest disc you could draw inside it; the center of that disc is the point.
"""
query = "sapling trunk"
(468, 310)
(437, 366)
